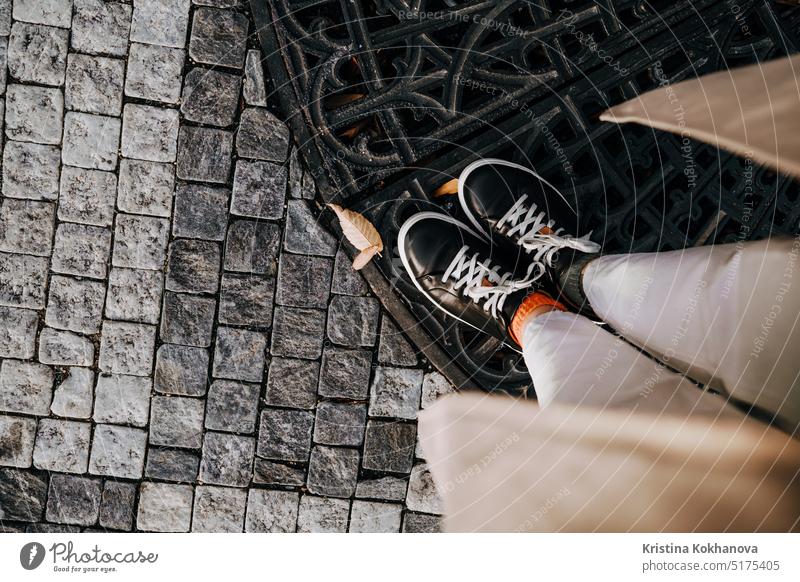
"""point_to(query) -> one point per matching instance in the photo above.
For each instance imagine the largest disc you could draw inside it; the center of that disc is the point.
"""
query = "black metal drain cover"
(389, 99)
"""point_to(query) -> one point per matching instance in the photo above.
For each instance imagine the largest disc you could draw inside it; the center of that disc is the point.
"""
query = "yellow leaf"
(364, 257)
(450, 187)
(357, 229)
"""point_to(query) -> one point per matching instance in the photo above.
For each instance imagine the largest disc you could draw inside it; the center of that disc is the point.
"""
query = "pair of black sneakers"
(523, 238)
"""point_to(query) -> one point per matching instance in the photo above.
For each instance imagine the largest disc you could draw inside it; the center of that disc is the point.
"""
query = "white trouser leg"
(573, 361)
(726, 315)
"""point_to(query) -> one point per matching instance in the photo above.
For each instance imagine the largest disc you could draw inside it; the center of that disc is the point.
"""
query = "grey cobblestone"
(25, 387)
(154, 73)
(394, 348)
(201, 212)
(246, 300)
(227, 459)
(272, 473)
(122, 400)
(298, 332)
(26, 226)
(255, 91)
(262, 136)
(75, 304)
(252, 247)
(37, 54)
(292, 383)
(94, 84)
(113, 18)
(387, 488)
(22, 494)
(345, 373)
(204, 154)
(395, 392)
(374, 517)
(17, 436)
(140, 242)
(346, 280)
(340, 424)
(81, 250)
(172, 465)
(193, 266)
(271, 511)
(22, 280)
(161, 22)
(232, 406)
(127, 348)
(50, 12)
(134, 295)
(164, 507)
(218, 509)
(118, 451)
(304, 235)
(239, 354)
(421, 523)
(333, 471)
(34, 114)
(210, 97)
(87, 196)
(64, 348)
(187, 319)
(74, 396)
(116, 505)
(304, 281)
(285, 434)
(90, 141)
(218, 37)
(353, 321)
(149, 133)
(62, 445)
(146, 187)
(177, 422)
(181, 370)
(259, 189)
(389, 446)
(422, 494)
(73, 500)
(31, 171)
(18, 334)
(322, 514)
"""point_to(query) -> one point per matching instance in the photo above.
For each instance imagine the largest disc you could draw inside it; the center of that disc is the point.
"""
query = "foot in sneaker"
(511, 203)
(463, 274)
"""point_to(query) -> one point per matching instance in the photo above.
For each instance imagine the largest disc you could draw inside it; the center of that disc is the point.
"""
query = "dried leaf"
(342, 99)
(354, 129)
(364, 257)
(361, 234)
(450, 187)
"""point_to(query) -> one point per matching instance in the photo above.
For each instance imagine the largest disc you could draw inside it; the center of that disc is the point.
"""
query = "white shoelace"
(470, 273)
(527, 224)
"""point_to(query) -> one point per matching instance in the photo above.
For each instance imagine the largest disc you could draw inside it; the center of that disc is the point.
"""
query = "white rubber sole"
(496, 162)
(401, 249)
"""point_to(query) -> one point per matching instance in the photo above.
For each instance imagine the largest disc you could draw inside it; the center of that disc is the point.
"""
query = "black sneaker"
(462, 273)
(514, 204)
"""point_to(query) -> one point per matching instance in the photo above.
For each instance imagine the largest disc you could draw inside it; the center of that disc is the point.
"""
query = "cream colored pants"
(725, 317)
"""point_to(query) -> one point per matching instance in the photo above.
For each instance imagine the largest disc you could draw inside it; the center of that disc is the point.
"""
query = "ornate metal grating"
(389, 99)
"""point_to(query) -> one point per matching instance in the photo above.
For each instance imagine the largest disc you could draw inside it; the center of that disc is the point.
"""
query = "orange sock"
(531, 302)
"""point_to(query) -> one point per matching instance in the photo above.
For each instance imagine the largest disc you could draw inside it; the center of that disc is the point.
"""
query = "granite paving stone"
(22, 494)
(218, 509)
(134, 295)
(395, 392)
(389, 446)
(37, 53)
(25, 387)
(262, 136)
(81, 250)
(193, 266)
(210, 97)
(31, 171)
(122, 400)
(140, 242)
(422, 494)
(219, 3)
(146, 187)
(94, 84)
(393, 347)
(298, 332)
(154, 73)
(116, 505)
(259, 189)
(322, 514)
(149, 133)
(239, 354)
(421, 523)
(127, 348)
(219, 37)
(118, 451)
(187, 319)
(345, 373)
(74, 396)
(90, 141)
(200, 212)
(164, 507)
(271, 511)
(388, 488)
(161, 22)
(87, 196)
(17, 435)
(292, 383)
(177, 422)
(303, 233)
(227, 459)
(172, 465)
(340, 424)
(113, 18)
(353, 321)
(73, 500)
(232, 406)
(252, 247)
(62, 445)
(26, 226)
(181, 370)
(285, 434)
(50, 12)
(34, 114)
(254, 90)
(346, 280)
(271, 473)
(434, 386)
(375, 517)
(22, 280)
(304, 281)
(64, 348)
(18, 334)
(246, 300)
(75, 304)
(3, 67)
(333, 471)
(204, 154)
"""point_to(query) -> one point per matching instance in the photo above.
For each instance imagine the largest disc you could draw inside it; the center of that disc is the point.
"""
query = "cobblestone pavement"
(181, 348)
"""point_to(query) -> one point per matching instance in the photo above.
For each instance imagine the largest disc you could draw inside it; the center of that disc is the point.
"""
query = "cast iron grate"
(389, 99)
